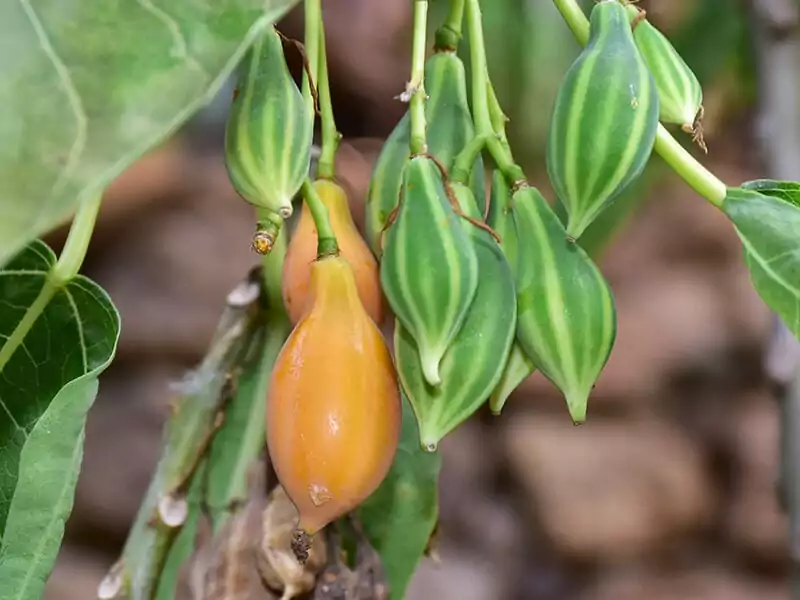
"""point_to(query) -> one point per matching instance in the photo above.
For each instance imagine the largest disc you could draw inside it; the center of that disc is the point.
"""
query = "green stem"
(465, 160)
(504, 161)
(418, 143)
(703, 181)
(575, 18)
(80, 233)
(477, 49)
(272, 265)
(497, 117)
(326, 238)
(313, 20)
(449, 34)
(330, 135)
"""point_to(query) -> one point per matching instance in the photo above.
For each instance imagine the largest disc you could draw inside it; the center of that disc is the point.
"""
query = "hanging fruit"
(333, 406)
(475, 359)
(429, 271)
(604, 120)
(269, 130)
(566, 321)
(303, 250)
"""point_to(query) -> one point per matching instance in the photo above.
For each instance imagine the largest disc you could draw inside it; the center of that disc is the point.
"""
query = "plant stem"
(703, 181)
(477, 53)
(313, 21)
(80, 233)
(575, 18)
(272, 265)
(464, 161)
(326, 238)
(416, 87)
(449, 34)
(330, 135)
(496, 114)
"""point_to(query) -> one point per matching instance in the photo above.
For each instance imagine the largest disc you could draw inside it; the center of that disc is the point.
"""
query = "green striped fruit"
(450, 128)
(566, 321)
(269, 130)
(604, 121)
(429, 271)
(680, 97)
(519, 365)
(473, 362)
(518, 368)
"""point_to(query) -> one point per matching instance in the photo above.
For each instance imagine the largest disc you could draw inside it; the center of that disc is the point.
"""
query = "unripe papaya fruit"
(333, 406)
(680, 96)
(519, 365)
(475, 359)
(566, 321)
(429, 271)
(450, 129)
(604, 120)
(269, 130)
(303, 250)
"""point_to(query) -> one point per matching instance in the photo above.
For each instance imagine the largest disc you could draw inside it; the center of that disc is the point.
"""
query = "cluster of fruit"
(483, 288)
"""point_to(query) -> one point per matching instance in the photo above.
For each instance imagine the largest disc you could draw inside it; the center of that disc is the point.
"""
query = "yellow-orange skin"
(333, 406)
(302, 251)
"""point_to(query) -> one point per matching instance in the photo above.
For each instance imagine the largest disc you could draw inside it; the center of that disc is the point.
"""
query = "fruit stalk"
(416, 87)
(330, 135)
(449, 34)
(477, 55)
(271, 269)
(484, 101)
(313, 24)
(703, 181)
(326, 238)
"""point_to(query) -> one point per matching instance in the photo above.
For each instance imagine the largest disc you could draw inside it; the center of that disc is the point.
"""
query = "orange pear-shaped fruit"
(303, 250)
(333, 406)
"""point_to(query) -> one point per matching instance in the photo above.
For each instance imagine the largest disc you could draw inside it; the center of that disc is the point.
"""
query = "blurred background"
(667, 493)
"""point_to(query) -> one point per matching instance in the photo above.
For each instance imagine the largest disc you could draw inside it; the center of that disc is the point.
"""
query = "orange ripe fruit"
(333, 406)
(302, 251)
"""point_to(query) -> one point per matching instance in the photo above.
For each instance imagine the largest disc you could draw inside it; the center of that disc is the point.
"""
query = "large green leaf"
(400, 516)
(56, 340)
(88, 86)
(769, 227)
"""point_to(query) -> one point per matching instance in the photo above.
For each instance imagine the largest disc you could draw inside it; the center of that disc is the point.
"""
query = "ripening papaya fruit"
(333, 406)
(303, 250)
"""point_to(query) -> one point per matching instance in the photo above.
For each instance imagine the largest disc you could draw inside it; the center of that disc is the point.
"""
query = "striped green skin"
(518, 368)
(429, 271)
(269, 130)
(679, 93)
(566, 321)
(450, 128)
(604, 120)
(473, 363)
(519, 365)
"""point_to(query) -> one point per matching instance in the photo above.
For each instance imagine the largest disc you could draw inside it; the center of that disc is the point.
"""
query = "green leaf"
(768, 226)
(241, 437)
(785, 190)
(88, 87)
(399, 517)
(56, 340)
